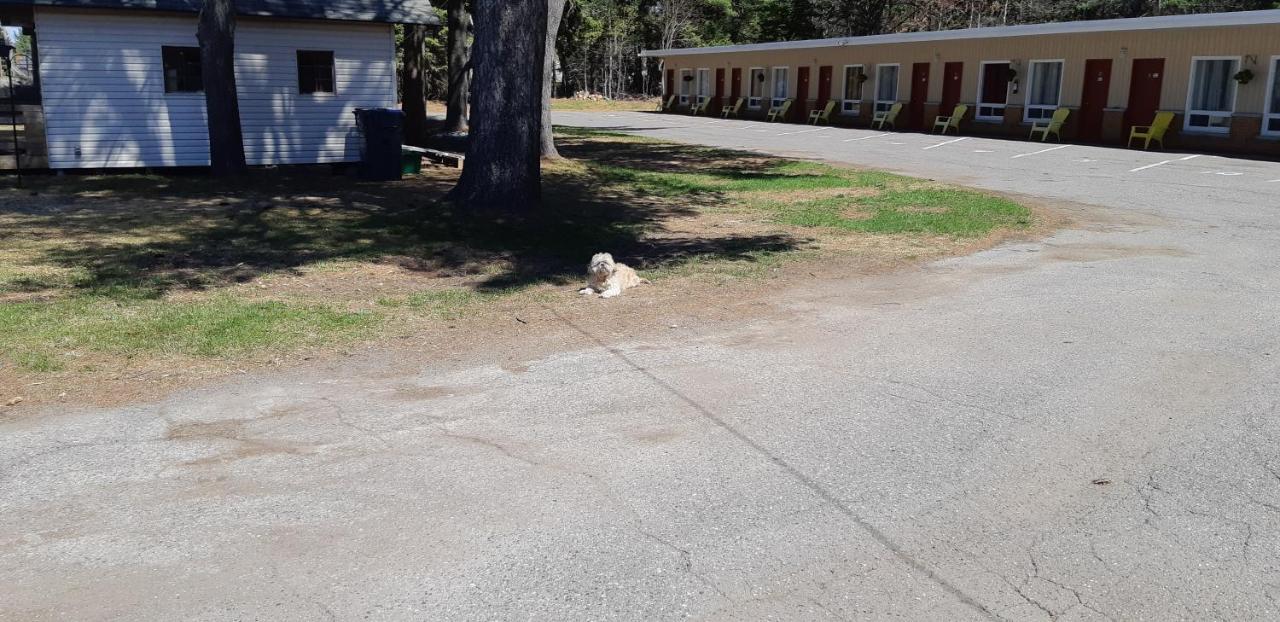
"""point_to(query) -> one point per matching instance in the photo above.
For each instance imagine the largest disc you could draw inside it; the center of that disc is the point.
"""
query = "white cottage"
(119, 82)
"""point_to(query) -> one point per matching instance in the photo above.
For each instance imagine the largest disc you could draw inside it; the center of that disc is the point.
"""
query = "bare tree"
(413, 84)
(555, 12)
(459, 50)
(216, 34)
(504, 167)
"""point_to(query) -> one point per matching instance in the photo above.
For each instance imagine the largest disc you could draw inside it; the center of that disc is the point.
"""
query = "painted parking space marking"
(943, 144)
(1164, 162)
(1023, 155)
(869, 137)
(1274, 181)
(821, 129)
(1223, 173)
(983, 151)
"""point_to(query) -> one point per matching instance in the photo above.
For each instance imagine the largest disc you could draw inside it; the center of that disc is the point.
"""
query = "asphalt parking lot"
(1085, 427)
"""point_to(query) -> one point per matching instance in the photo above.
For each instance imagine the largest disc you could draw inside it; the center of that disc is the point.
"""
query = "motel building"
(1216, 72)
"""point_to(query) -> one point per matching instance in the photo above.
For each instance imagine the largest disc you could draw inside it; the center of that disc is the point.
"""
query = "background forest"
(599, 39)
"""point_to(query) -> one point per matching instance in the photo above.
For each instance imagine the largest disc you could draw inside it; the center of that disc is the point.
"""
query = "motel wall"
(1256, 45)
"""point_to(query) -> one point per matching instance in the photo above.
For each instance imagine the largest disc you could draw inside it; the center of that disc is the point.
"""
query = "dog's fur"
(609, 278)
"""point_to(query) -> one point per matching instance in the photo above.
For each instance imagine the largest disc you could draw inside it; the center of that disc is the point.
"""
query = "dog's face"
(602, 265)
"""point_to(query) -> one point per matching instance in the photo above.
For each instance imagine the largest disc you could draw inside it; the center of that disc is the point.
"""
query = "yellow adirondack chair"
(734, 110)
(1154, 132)
(779, 113)
(888, 117)
(698, 108)
(952, 122)
(667, 105)
(1054, 126)
(824, 115)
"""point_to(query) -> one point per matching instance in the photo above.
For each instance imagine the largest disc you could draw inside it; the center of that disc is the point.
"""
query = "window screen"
(182, 72)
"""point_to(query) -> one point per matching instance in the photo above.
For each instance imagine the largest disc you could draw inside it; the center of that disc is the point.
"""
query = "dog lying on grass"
(609, 278)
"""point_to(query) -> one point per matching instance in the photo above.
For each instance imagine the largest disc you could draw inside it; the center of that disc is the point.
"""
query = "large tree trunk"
(459, 44)
(503, 169)
(216, 33)
(413, 85)
(555, 12)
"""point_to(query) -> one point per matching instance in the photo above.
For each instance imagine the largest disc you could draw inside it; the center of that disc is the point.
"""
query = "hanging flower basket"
(687, 78)
(1244, 76)
(862, 77)
(1013, 74)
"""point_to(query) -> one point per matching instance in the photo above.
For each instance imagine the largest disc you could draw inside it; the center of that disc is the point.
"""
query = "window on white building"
(851, 103)
(886, 87)
(686, 85)
(780, 85)
(1211, 99)
(755, 89)
(1044, 89)
(703, 86)
(993, 90)
(1271, 117)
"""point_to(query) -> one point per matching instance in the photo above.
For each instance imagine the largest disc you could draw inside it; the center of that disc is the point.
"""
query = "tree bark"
(413, 85)
(503, 169)
(216, 34)
(459, 51)
(555, 12)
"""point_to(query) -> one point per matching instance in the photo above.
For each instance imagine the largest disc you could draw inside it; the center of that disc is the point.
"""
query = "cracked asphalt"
(1080, 428)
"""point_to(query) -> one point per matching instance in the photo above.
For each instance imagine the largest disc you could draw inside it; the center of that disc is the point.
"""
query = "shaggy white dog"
(608, 277)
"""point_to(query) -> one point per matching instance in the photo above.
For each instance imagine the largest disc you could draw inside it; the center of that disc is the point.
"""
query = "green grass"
(32, 332)
(931, 211)
(447, 304)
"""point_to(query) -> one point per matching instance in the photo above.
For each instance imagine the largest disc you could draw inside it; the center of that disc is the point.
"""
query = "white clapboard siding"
(102, 79)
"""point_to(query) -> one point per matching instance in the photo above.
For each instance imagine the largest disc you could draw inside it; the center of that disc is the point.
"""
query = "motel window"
(886, 87)
(851, 103)
(993, 90)
(780, 85)
(756, 87)
(182, 72)
(704, 86)
(1212, 97)
(315, 72)
(1271, 122)
(686, 85)
(1044, 89)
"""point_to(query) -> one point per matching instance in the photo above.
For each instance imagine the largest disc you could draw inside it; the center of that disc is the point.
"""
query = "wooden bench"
(449, 158)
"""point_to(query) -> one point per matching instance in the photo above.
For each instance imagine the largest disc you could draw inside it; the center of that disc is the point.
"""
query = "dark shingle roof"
(390, 11)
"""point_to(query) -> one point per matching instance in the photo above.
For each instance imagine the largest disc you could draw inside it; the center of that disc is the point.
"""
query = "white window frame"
(702, 85)
(885, 104)
(1269, 115)
(982, 78)
(1043, 111)
(1191, 85)
(774, 100)
(851, 107)
(685, 86)
(753, 102)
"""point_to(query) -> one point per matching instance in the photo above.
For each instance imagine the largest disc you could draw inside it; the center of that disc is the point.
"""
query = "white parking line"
(983, 151)
(869, 137)
(1164, 162)
(1223, 173)
(1274, 181)
(821, 129)
(946, 143)
(1023, 155)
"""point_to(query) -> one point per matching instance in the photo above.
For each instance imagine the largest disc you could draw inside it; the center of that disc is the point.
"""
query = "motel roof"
(387, 11)
(1202, 20)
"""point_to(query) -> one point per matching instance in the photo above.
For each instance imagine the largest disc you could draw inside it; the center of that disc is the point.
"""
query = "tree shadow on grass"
(131, 237)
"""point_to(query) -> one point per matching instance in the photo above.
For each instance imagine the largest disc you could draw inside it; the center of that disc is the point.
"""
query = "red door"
(919, 94)
(824, 85)
(802, 95)
(718, 100)
(671, 84)
(1144, 92)
(1093, 101)
(736, 84)
(952, 81)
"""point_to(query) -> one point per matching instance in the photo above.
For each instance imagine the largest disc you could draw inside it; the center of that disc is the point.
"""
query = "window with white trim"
(1271, 112)
(686, 85)
(993, 90)
(780, 85)
(886, 87)
(1211, 98)
(851, 100)
(1044, 89)
(755, 89)
(703, 88)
